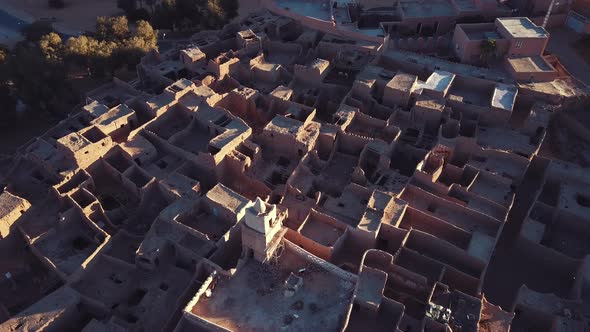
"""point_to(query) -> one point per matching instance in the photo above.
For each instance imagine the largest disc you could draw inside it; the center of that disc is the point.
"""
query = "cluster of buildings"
(370, 19)
(273, 176)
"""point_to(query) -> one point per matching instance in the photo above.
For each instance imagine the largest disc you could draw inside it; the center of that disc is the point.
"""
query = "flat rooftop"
(480, 31)
(431, 103)
(96, 109)
(74, 142)
(521, 27)
(255, 297)
(284, 125)
(227, 197)
(320, 64)
(504, 97)
(282, 92)
(112, 115)
(530, 65)
(8, 203)
(194, 52)
(322, 232)
(402, 81)
(398, 56)
(439, 81)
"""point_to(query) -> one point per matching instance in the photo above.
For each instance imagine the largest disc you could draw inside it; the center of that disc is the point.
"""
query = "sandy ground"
(561, 43)
(77, 16)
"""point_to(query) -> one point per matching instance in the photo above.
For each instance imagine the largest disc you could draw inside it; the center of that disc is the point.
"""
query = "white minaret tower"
(262, 230)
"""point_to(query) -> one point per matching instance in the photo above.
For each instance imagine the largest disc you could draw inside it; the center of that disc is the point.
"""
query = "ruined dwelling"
(271, 176)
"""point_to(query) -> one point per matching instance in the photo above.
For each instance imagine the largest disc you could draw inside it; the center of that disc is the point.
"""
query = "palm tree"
(488, 50)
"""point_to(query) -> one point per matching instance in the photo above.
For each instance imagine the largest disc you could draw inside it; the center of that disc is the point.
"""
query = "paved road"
(560, 44)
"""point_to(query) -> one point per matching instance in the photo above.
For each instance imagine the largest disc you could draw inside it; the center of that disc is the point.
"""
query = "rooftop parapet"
(520, 27)
(504, 97)
(11, 208)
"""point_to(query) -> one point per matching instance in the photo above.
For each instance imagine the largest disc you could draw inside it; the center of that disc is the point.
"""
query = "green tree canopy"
(194, 14)
(4, 54)
(487, 51)
(81, 46)
(112, 28)
(52, 46)
(488, 48)
(43, 72)
(145, 32)
(41, 84)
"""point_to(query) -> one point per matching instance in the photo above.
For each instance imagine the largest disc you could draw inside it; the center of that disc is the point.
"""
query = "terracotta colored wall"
(316, 24)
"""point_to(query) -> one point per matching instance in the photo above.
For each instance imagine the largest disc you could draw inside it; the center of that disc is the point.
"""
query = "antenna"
(553, 3)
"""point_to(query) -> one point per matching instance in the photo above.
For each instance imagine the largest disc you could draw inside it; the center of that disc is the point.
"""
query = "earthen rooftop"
(521, 27)
(313, 180)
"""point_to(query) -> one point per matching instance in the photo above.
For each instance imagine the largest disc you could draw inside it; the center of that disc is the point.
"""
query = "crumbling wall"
(421, 44)
(316, 24)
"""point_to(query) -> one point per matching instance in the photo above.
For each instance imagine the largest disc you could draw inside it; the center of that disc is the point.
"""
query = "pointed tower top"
(259, 206)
